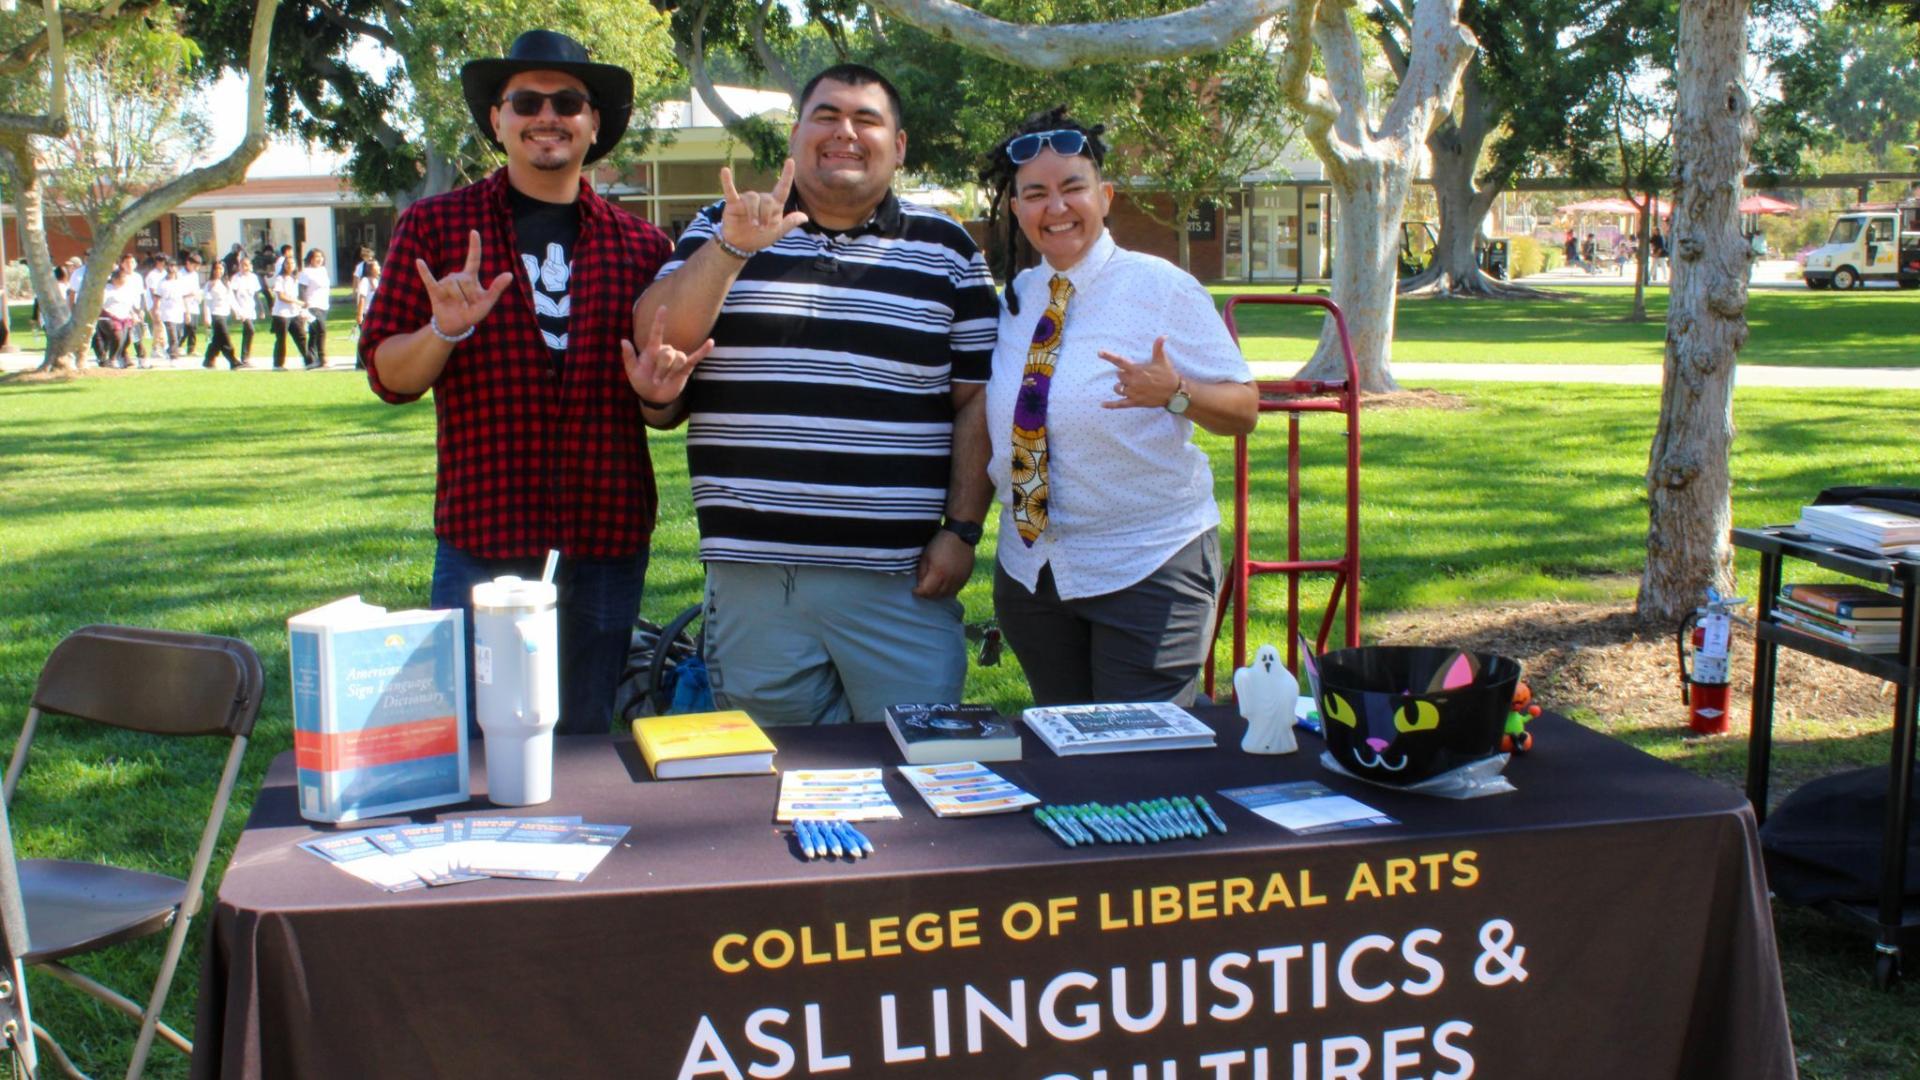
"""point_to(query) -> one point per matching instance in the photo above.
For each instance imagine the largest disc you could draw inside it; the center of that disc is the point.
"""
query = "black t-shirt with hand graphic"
(544, 234)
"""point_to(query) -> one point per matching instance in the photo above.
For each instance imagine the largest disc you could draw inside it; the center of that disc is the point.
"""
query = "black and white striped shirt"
(821, 424)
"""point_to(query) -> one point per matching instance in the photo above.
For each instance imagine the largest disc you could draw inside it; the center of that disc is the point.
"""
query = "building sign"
(148, 238)
(1202, 220)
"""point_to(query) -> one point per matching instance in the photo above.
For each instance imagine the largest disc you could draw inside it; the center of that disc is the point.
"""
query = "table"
(1892, 922)
(1609, 918)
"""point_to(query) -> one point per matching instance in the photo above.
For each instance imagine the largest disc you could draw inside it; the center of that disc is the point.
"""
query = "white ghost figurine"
(1266, 693)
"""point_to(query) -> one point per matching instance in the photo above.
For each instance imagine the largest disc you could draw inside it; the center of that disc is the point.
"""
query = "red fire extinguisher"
(1704, 689)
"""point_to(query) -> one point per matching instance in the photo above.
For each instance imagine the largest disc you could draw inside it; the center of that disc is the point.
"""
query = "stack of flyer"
(965, 788)
(835, 795)
(1882, 531)
(403, 857)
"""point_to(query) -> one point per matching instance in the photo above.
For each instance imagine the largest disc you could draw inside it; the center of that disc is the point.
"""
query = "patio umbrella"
(1765, 204)
(1608, 205)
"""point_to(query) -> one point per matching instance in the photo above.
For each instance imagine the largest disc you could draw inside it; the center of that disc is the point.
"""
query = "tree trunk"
(1368, 199)
(1455, 148)
(1181, 239)
(1641, 235)
(23, 175)
(1688, 479)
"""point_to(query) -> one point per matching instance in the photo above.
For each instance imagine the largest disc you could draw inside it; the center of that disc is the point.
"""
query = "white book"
(379, 710)
(1117, 728)
(1881, 527)
(965, 788)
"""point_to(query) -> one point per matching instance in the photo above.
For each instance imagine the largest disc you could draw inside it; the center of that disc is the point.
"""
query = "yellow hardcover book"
(703, 744)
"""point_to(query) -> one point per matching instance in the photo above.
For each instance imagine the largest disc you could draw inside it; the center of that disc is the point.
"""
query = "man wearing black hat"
(509, 299)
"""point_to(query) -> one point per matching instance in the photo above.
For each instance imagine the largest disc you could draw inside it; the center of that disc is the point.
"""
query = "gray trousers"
(824, 645)
(1145, 642)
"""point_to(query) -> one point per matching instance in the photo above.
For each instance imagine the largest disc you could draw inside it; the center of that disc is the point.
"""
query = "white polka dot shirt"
(1127, 487)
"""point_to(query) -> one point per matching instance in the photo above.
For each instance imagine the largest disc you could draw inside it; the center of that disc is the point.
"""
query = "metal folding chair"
(163, 683)
(1294, 397)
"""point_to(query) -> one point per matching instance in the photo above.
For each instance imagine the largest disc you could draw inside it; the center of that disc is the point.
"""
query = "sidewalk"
(1412, 373)
(1767, 274)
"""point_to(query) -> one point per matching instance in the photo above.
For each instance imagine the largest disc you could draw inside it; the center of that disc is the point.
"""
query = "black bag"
(1823, 841)
(656, 652)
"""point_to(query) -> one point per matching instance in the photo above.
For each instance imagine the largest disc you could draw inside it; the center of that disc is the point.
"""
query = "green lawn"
(224, 502)
(1793, 328)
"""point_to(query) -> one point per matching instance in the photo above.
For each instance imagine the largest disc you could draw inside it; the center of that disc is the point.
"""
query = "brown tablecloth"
(1608, 919)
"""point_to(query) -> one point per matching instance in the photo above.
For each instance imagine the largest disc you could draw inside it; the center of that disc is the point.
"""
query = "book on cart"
(379, 699)
(682, 745)
(937, 734)
(1869, 640)
(1884, 531)
(1843, 601)
(1117, 728)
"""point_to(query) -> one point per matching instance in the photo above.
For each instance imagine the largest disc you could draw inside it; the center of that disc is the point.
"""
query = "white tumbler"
(516, 683)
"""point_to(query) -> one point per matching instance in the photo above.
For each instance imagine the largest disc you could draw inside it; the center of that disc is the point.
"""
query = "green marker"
(1211, 816)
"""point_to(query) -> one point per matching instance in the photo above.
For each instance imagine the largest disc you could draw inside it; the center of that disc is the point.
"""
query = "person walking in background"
(360, 268)
(364, 287)
(246, 298)
(284, 287)
(316, 292)
(220, 308)
(1590, 255)
(1571, 249)
(193, 294)
(170, 308)
(120, 313)
(155, 330)
(1657, 249)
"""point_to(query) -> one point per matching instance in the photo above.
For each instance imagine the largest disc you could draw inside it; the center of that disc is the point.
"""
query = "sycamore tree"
(1689, 481)
(1368, 143)
(1519, 112)
(1185, 129)
(379, 80)
(35, 108)
(132, 125)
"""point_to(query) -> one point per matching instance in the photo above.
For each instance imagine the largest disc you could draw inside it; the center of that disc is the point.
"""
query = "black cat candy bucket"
(1399, 715)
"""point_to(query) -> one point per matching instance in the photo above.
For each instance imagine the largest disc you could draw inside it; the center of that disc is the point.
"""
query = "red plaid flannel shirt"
(529, 460)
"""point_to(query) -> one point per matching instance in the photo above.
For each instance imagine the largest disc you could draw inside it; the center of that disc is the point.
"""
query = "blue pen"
(833, 839)
(866, 845)
(844, 832)
(803, 836)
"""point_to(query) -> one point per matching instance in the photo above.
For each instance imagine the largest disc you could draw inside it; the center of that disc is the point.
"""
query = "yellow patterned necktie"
(1030, 491)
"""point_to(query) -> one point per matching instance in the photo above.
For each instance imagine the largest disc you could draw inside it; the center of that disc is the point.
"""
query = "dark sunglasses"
(528, 102)
(1065, 142)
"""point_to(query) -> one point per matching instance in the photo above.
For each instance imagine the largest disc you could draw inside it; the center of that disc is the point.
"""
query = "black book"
(938, 734)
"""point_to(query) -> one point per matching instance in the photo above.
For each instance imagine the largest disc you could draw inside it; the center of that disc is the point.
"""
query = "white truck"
(1871, 242)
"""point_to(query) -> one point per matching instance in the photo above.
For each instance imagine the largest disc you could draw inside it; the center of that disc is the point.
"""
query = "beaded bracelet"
(433, 323)
(737, 252)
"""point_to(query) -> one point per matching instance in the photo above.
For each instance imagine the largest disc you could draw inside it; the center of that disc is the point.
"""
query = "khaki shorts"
(794, 644)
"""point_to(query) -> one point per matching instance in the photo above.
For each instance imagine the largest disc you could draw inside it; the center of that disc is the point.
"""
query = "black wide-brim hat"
(610, 86)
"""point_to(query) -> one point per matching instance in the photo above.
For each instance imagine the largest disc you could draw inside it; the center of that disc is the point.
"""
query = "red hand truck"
(1294, 397)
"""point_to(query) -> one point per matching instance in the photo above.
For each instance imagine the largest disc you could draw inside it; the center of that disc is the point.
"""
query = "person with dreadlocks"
(1109, 556)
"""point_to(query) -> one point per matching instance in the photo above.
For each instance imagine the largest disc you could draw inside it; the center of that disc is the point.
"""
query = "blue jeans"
(599, 599)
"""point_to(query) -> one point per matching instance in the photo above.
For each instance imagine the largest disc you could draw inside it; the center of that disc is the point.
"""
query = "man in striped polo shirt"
(832, 418)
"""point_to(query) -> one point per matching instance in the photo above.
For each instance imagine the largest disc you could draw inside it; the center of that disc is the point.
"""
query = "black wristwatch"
(969, 531)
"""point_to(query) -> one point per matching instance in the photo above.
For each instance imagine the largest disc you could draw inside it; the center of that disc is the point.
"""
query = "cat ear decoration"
(1310, 667)
(1458, 671)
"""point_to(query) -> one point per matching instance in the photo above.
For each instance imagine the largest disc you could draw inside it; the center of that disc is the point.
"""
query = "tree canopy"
(401, 118)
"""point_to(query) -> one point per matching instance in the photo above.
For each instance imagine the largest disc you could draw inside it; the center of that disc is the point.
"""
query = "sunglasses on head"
(528, 102)
(1065, 141)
